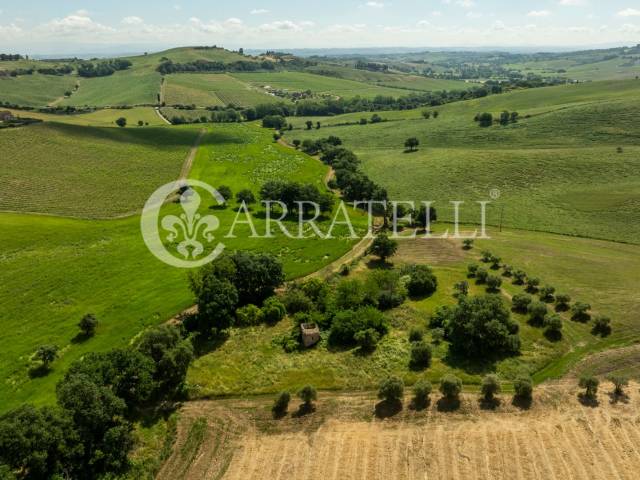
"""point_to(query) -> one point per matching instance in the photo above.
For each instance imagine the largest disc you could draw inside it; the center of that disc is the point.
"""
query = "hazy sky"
(39, 26)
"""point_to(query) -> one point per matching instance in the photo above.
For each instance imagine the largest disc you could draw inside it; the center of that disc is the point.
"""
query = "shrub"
(347, 323)
(486, 256)
(519, 277)
(420, 355)
(481, 327)
(421, 391)
(472, 269)
(440, 317)
(226, 192)
(602, 326)
(248, 316)
(295, 300)
(422, 282)
(520, 302)
(308, 394)
(461, 289)
(437, 335)
(88, 325)
(490, 387)
(367, 339)
(532, 284)
(495, 262)
(547, 293)
(619, 382)
(523, 387)
(245, 196)
(391, 389)
(416, 335)
(450, 387)
(553, 324)
(482, 274)
(562, 302)
(537, 311)
(46, 354)
(580, 312)
(493, 283)
(273, 310)
(467, 243)
(383, 247)
(507, 271)
(590, 384)
(121, 122)
(281, 405)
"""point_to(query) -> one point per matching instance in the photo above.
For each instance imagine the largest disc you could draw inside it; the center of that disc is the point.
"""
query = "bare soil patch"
(557, 438)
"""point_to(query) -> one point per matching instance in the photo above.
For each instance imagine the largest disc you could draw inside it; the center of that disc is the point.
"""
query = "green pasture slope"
(219, 89)
(558, 169)
(601, 273)
(89, 172)
(129, 87)
(318, 84)
(35, 90)
(54, 270)
(105, 117)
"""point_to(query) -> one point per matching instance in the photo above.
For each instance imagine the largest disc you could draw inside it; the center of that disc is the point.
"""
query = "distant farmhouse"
(5, 116)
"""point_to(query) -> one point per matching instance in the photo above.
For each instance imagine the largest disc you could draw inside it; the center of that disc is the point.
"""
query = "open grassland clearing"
(596, 272)
(393, 80)
(35, 90)
(318, 84)
(89, 172)
(203, 89)
(55, 270)
(128, 87)
(100, 118)
(568, 165)
(557, 437)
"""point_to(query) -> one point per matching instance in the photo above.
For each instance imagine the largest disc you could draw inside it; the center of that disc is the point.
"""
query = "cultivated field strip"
(590, 445)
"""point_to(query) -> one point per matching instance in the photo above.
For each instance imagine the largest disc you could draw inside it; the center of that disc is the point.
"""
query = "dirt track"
(557, 439)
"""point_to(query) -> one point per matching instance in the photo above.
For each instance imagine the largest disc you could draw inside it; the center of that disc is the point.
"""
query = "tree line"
(103, 69)
(168, 66)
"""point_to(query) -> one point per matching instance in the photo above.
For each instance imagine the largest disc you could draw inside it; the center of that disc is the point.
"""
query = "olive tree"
(490, 387)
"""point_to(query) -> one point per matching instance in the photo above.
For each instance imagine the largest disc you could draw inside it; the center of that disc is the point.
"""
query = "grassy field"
(55, 270)
(557, 169)
(89, 172)
(130, 87)
(100, 118)
(600, 273)
(410, 82)
(211, 90)
(35, 90)
(318, 84)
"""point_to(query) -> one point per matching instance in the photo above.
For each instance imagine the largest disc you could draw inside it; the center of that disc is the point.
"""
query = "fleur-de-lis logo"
(191, 230)
(190, 226)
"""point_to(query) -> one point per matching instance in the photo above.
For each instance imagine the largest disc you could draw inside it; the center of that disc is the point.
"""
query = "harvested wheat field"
(556, 438)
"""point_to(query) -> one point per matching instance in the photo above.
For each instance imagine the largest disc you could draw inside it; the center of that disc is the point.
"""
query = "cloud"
(259, 11)
(573, 3)
(74, 24)
(466, 3)
(539, 13)
(177, 7)
(436, 13)
(133, 20)
(424, 23)
(341, 28)
(374, 4)
(283, 25)
(474, 15)
(629, 12)
(10, 30)
(630, 28)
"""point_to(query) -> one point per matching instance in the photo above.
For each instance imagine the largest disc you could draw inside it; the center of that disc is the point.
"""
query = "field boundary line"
(164, 119)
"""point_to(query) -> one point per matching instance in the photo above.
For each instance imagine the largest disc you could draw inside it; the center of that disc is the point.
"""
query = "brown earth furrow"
(601, 447)
(587, 454)
(571, 456)
(612, 444)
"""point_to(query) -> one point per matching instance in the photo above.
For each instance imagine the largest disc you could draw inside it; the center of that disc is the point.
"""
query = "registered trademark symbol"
(494, 193)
